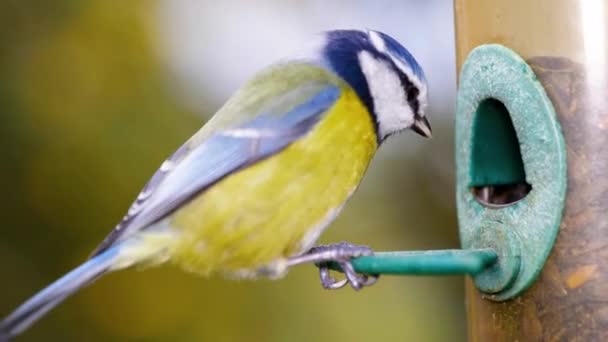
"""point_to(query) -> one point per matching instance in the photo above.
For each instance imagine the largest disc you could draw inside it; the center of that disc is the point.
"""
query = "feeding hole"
(498, 177)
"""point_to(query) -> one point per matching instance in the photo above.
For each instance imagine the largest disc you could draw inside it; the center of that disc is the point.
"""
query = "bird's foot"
(341, 253)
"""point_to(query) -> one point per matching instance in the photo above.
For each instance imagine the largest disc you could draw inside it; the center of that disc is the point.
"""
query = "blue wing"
(189, 171)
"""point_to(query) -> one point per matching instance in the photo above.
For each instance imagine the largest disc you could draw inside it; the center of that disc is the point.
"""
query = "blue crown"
(397, 50)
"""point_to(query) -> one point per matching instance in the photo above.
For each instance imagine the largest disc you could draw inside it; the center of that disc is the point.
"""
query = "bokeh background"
(94, 94)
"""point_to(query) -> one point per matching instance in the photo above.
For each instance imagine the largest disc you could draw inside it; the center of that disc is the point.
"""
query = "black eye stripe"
(412, 94)
(410, 89)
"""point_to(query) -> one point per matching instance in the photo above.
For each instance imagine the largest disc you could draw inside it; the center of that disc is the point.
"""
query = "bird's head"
(384, 74)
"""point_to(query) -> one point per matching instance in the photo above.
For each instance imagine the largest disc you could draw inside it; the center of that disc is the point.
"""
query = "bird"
(248, 195)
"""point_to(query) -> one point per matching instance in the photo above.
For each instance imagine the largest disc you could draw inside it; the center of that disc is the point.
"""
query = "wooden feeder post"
(566, 44)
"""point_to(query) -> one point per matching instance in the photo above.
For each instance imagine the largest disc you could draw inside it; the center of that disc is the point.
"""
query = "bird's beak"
(423, 127)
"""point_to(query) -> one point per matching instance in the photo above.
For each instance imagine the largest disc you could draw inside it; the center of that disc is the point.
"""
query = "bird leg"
(340, 253)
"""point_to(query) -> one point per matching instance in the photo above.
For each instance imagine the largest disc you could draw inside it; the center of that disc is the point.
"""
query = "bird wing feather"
(191, 170)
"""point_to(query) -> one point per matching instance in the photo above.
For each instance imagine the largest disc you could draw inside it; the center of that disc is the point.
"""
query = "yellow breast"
(251, 221)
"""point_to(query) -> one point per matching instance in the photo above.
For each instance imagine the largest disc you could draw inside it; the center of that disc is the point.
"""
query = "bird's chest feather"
(253, 220)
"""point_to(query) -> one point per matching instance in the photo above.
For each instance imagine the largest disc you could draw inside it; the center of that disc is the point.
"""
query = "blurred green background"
(95, 94)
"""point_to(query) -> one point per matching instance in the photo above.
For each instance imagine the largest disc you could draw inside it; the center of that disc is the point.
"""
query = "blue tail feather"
(44, 301)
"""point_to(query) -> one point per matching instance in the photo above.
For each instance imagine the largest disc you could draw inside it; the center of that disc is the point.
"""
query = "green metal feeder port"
(511, 168)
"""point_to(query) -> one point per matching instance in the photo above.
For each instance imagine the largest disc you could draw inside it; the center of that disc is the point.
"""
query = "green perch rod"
(436, 262)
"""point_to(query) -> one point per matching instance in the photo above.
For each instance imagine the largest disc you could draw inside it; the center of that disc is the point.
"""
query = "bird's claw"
(328, 282)
(342, 253)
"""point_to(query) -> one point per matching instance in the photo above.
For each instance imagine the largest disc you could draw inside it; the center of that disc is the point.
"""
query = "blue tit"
(251, 191)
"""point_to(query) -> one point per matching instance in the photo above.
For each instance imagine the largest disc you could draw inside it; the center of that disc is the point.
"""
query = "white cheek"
(390, 103)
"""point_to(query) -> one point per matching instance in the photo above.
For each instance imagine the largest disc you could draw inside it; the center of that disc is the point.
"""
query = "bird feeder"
(532, 189)
(563, 45)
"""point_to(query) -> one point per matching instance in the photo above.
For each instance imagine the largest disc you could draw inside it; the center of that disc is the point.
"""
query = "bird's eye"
(412, 93)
